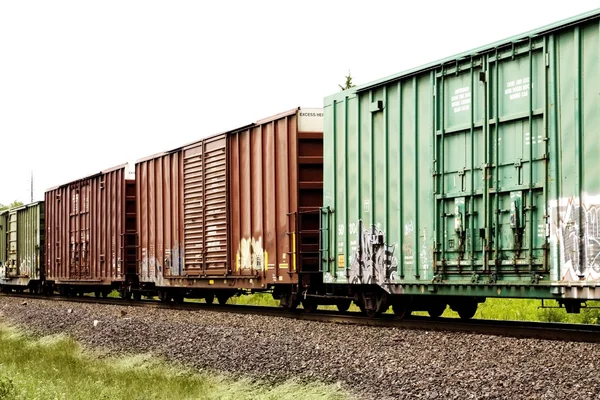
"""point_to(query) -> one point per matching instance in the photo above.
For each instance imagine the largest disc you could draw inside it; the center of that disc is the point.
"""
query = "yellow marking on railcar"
(266, 261)
(294, 251)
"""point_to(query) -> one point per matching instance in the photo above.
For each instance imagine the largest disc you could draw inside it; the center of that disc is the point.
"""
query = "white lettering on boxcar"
(528, 141)
(352, 230)
(517, 88)
(461, 99)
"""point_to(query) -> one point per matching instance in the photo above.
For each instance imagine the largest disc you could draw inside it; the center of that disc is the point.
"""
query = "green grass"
(529, 310)
(256, 299)
(56, 368)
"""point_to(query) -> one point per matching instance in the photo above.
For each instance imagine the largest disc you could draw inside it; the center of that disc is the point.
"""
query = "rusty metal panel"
(193, 200)
(265, 192)
(182, 212)
(226, 205)
(159, 186)
(205, 207)
(90, 229)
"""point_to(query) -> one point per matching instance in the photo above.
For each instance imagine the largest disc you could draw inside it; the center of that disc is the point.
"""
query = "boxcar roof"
(35, 203)
(117, 167)
(590, 15)
(230, 131)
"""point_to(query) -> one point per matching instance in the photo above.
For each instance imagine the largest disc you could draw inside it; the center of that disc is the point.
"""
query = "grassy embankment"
(57, 368)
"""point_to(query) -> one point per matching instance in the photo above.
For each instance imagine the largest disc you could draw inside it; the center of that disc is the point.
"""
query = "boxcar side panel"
(575, 183)
(22, 245)
(159, 186)
(261, 164)
(378, 181)
(30, 240)
(88, 229)
(492, 157)
(3, 237)
(182, 214)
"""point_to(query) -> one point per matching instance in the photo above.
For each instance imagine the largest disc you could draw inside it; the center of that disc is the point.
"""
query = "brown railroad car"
(90, 233)
(222, 214)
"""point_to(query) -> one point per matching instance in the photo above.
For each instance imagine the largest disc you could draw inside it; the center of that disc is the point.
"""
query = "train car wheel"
(163, 297)
(374, 304)
(343, 305)
(209, 298)
(222, 298)
(371, 312)
(467, 310)
(436, 309)
(289, 302)
(125, 294)
(309, 305)
(178, 298)
(401, 309)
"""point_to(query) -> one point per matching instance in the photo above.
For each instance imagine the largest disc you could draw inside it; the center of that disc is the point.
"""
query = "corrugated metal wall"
(205, 208)
(474, 170)
(159, 187)
(263, 180)
(378, 180)
(222, 206)
(3, 237)
(30, 240)
(182, 212)
(88, 228)
(12, 238)
(21, 243)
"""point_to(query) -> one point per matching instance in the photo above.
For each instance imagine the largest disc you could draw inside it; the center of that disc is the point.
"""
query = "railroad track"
(520, 329)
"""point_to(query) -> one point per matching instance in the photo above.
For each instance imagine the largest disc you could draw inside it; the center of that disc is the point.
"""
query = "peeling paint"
(250, 254)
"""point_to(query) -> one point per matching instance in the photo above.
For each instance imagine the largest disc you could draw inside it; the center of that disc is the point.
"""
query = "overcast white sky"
(88, 85)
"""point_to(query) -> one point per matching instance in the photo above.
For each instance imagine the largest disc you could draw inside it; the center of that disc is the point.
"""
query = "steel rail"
(518, 329)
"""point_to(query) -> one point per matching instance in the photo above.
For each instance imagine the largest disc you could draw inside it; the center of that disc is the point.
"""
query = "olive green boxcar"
(477, 175)
(3, 237)
(21, 244)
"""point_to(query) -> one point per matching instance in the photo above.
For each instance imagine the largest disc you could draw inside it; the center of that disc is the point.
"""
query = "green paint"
(503, 141)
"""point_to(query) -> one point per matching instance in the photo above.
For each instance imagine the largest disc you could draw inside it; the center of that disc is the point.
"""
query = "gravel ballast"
(370, 362)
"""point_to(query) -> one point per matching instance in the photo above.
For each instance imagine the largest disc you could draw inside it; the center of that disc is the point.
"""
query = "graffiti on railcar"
(26, 267)
(575, 231)
(153, 269)
(250, 255)
(373, 260)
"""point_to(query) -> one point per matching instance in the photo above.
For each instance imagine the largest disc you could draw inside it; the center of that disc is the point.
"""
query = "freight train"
(471, 177)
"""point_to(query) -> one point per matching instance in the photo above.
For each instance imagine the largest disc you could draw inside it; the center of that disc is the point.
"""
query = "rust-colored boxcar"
(90, 232)
(220, 213)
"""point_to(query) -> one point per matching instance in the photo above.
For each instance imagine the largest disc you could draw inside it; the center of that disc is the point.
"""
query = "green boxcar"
(21, 246)
(3, 237)
(476, 175)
